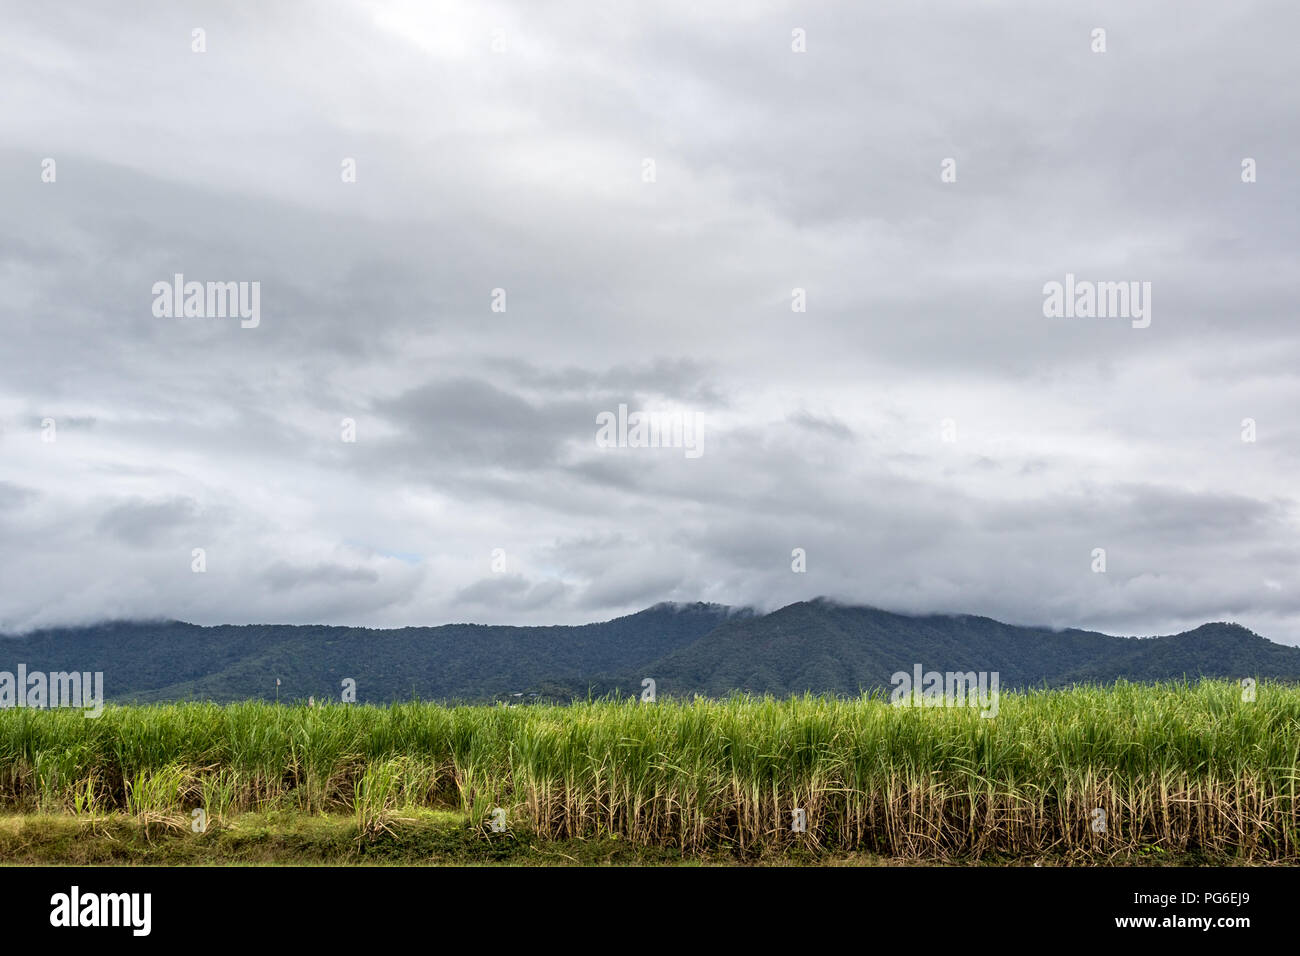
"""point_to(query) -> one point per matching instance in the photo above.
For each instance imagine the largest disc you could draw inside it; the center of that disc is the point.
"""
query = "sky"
(820, 233)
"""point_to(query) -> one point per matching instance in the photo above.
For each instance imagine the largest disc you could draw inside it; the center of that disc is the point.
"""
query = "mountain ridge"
(818, 646)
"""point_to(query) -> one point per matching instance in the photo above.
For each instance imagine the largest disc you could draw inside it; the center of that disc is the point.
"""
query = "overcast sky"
(504, 146)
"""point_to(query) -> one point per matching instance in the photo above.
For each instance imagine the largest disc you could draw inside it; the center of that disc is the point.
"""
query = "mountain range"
(710, 649)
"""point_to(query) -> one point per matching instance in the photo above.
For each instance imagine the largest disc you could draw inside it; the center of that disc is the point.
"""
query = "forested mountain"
(172, 660)
(822, 646)
(814, 646)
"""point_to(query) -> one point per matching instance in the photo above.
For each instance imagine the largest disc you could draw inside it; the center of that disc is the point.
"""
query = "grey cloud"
(14, 496)
(828, 426)
(513, 592)
(144, 523)
(776, 171)
(284, 577)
